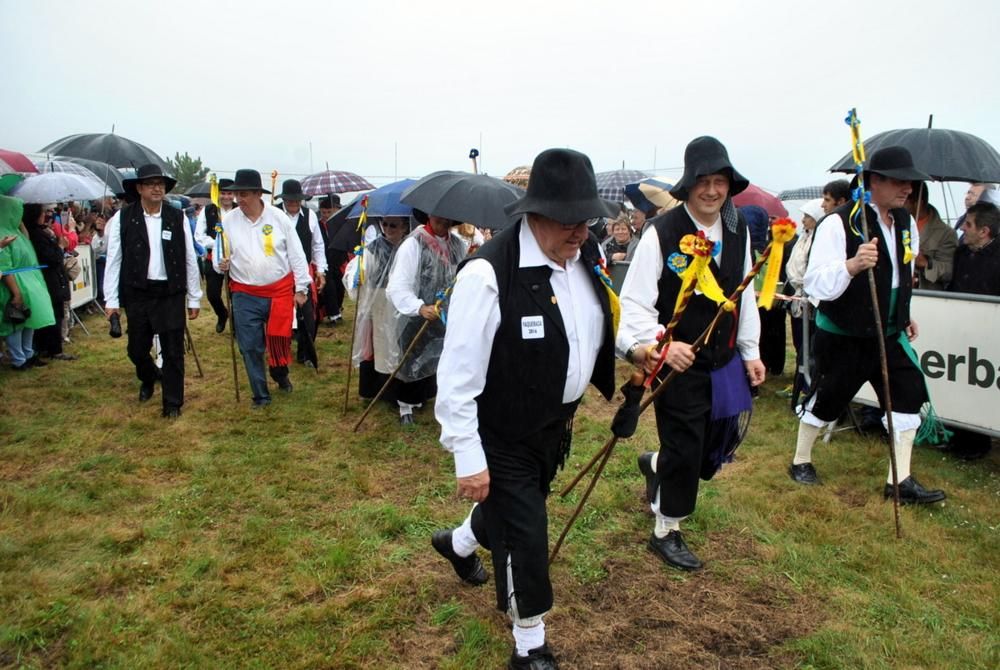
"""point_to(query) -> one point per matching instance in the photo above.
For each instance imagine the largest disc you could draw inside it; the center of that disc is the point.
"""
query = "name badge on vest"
(167, 235)
(532, 328)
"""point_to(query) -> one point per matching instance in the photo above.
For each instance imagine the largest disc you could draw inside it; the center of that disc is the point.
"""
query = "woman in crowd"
(49, 248)
(24, 300)
(795, 273)
(616, 248)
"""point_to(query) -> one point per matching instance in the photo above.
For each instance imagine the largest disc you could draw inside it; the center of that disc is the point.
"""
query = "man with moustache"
(529, 327)
(847, 353)
(688, 431)
(268, 272)
(151, 267)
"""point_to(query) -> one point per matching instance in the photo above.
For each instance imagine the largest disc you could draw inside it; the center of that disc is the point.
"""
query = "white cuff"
(470, 462)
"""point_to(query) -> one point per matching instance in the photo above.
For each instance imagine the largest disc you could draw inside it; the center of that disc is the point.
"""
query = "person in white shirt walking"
(529, 328)
(204, 234)
(268, 275)
(151, 268)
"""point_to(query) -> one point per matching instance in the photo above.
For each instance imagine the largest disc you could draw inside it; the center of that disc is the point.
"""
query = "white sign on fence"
(83, 289)
(959, 351)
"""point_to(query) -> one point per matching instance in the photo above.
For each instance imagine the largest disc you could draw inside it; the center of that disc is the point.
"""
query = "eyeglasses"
(154, 183)
(572, 226)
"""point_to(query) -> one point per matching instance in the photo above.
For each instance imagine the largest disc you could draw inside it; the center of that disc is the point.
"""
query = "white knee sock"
(527, 638)
(405, 408)
(463, 540)
(904, 450)
(804, 443)
(665, 524)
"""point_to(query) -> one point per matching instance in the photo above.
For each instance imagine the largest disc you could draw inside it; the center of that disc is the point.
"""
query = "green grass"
(240, 539)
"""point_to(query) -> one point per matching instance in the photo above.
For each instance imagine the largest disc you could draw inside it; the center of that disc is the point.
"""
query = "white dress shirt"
(826, 274)
(640, 320)
(473, 320)
(248, 262)
(318, 249)
(404, 277)
(201, 229)
(157, 270)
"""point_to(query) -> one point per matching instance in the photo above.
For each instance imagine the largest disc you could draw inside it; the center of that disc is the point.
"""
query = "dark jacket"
(977, 271)
(51, 255)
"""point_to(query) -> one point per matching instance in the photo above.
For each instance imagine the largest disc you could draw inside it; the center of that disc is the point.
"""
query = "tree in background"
(187, 171)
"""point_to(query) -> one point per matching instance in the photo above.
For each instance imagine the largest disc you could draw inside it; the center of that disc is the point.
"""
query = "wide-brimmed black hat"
(895, 163)
(150, 171)
(224, 183)
(291, 189)
(562, 187)
(246, 180)
(704, 156)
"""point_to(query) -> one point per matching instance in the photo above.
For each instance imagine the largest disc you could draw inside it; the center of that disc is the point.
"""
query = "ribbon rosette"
(782, 232)
(700, 249)
(907, 247)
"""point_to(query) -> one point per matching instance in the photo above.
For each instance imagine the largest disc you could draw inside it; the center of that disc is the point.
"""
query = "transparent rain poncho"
(438, 262)
(376, 317)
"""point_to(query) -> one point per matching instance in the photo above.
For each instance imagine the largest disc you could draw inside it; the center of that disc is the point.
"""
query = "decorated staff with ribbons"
(703, 415)
(846, 343)
(268, 275)
(424, 266)
(152, 271)
(205, 235)
(311, 237)
(530, 325)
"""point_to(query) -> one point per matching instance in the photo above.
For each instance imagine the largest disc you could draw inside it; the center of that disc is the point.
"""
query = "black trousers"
(154, 312)
(844, 364)
(48, 340)
(683, 412)
(213, 291)
(512, 521)
(305, 334)
(773, 339)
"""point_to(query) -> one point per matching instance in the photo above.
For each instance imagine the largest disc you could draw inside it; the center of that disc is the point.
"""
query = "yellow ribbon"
(782, 232)
(268, 231)
(698, 270)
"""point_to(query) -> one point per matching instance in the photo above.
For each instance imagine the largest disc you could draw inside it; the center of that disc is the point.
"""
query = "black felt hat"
(150, 171)
(562, 187)
(291, 189)
(704, 156)
(895, 163)
(246, 180)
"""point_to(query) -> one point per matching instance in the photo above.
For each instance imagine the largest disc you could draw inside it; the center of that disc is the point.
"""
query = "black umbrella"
(462, 196)
(106, 172)
(107, 148)
(200, 190)
(343, 234)
(946, 155)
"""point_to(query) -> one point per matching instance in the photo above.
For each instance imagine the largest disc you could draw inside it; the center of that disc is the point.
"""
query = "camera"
(115, 329)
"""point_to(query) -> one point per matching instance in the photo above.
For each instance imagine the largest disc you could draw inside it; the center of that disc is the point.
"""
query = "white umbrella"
(72, 168)
(58, 187)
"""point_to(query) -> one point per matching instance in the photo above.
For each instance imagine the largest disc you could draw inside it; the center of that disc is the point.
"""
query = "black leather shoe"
(406, 420)
(171, 412)
(469, 569)
(285, 385)
(912, 493)
(220, 325)
(260, 403)
(674, 551)
(145, 392)
(539, 658)
(36, 362)
(646, 468)
(803, 473)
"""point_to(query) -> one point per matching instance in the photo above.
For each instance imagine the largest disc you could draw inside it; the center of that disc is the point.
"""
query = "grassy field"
(233, 538)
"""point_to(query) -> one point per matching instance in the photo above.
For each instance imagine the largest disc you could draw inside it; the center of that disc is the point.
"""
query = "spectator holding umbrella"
(24, 300)
(933, 265)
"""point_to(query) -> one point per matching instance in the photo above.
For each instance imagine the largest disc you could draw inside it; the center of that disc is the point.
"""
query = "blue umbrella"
(384, 201)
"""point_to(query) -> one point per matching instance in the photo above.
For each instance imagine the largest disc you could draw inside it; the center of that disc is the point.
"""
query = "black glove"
(627, 417)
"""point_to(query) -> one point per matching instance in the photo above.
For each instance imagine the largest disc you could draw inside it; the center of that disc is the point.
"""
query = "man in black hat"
(332, 295)
(529, 327)
(151, 267)
(268, 275)
(311, 236)
(689, 420)
(847, 353)
(424, 266)
(204, 234)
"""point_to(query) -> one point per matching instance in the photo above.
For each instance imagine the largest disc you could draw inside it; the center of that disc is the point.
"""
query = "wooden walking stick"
(604, 454)
(381, 391)
(357, 303)
(232, 336)
(860, 198)
(222, 248)
(194, 352)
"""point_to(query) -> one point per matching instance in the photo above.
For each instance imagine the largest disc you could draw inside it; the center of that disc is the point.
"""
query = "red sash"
(278, 331)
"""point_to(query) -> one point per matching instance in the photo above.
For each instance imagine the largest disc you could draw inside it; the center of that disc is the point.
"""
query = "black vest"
(670, 228)
(852, 311)
(526, 377)
(135, 247)
(305, 235)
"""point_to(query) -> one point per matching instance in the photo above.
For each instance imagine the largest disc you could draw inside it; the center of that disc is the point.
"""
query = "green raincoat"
(20, 253)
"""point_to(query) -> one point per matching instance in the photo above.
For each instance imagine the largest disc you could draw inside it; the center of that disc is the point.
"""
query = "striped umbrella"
(335, 181)
(650, 194)
(518, 176)
(611, 184)
(12, 161)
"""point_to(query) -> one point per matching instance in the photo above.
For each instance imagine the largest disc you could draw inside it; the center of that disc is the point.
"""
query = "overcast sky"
(386, 88)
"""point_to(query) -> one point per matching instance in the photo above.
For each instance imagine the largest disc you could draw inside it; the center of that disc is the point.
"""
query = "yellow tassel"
(616, 308)
(782, 231)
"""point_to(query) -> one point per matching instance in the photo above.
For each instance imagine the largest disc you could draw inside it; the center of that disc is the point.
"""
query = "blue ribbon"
(24, 269)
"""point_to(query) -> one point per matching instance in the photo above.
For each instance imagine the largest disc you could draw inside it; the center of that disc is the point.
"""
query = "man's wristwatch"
(631, 350)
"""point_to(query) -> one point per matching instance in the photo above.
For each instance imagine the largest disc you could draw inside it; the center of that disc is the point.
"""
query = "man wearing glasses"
(529, 328)
(152, 270)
